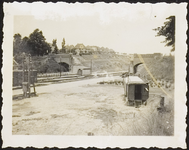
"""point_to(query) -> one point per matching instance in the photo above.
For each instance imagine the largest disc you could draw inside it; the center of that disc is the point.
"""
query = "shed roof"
(135, 80)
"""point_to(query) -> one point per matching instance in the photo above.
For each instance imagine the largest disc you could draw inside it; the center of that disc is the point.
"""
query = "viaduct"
(146, 57)
(68, 61)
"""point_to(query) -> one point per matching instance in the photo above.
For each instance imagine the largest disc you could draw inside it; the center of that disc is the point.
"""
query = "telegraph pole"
(32, 77)
(29, 74)
(71, 61)
(23, 69)
(131, 67)
(91, 66)
(60, 66)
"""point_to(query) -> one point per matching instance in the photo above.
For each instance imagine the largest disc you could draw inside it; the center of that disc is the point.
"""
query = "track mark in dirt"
(123, 116)
(57, 116)
(22, 105)
(32, 113)
(18, 107)
(70, 94)
(16, 115)
(14, 124)
(45, 93)
(32, 119)
(106, 115)
(68, 127)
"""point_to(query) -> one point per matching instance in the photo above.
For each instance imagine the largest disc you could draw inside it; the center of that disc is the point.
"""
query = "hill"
(103, 62)
(160, 67)
(109, 62)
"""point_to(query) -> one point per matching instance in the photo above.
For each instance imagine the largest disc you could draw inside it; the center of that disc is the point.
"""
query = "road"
(80, 108)
(53, 87)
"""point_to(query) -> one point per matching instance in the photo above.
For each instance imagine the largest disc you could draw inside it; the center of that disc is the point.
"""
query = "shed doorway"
(138, 92)
(79, 72)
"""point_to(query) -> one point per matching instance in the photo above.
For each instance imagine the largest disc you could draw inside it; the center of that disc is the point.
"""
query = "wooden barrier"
(18, 76)
(39, 75)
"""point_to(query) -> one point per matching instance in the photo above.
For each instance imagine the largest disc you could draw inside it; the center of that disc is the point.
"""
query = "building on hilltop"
(77, 51)
(94, 48)
(80, 46)
(69, 46)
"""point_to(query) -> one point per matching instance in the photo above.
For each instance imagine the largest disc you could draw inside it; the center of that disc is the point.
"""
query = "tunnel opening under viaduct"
(64, 67)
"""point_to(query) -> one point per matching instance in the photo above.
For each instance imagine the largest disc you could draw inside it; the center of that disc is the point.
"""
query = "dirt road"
(79, 108)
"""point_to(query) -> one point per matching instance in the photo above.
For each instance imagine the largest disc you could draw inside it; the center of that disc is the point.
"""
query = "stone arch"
(66, 67)
(136, 66)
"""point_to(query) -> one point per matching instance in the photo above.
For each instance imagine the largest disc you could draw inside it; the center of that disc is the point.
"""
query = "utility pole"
(71, 62)
(91, 66)
(131, 67)
(23, 69)
(29, 74)
(60, 66)
(32, 77)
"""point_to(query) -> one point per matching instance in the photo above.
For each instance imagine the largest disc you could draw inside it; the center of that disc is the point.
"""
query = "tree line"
(35, 44)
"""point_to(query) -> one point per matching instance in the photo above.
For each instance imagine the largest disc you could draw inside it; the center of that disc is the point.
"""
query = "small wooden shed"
(84, 71)
(136, 90)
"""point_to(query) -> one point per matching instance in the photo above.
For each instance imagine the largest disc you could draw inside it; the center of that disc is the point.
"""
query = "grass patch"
(16, 115)
(32, 113)
(159, 123)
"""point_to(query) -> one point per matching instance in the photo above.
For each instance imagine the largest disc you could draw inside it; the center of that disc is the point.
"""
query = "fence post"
(162, 101)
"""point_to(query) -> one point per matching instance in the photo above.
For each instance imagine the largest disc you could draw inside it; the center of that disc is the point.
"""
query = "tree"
(168, 30)
(55, 46)
(63, 49)
(63, 43)
(24, 47)
(17, 43)
(20, 45)
(38, 44)
(73, 51)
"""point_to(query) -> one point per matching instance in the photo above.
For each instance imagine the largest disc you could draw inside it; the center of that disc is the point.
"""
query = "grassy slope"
(104, 62)
(101, 62)
(161, 68)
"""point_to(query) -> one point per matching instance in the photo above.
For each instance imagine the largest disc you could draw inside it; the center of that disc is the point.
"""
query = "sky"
(123, 27)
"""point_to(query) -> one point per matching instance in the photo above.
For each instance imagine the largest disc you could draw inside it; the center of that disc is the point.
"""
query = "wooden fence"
(18, 77)
(40, 75)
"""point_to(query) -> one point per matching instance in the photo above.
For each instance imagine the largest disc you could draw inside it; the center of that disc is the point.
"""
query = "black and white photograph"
(95, 71)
